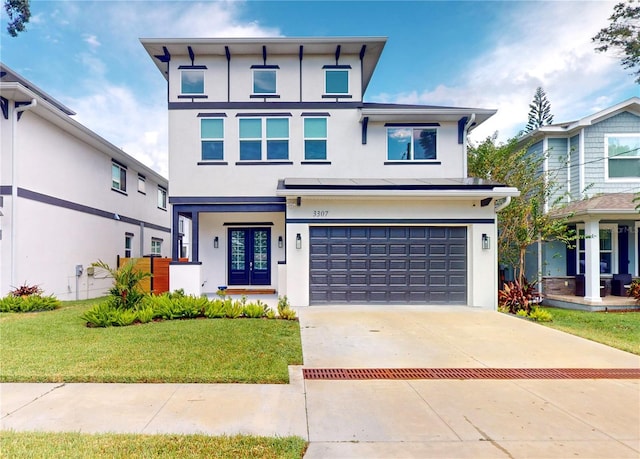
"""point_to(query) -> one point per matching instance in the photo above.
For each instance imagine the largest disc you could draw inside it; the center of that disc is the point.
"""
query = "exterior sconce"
(299, 201)
(280, 243)
(216, 242)
(298, 241)
(486, 242)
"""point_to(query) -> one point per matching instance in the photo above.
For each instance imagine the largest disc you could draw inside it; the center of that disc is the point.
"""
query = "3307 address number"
(320, 213)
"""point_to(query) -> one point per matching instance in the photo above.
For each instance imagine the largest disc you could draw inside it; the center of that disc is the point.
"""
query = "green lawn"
(616, 329)
(115, 446)
(56, 346)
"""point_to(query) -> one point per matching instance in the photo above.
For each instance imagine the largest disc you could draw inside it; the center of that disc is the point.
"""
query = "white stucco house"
(68, 198)
(596, 163)
(292, 182)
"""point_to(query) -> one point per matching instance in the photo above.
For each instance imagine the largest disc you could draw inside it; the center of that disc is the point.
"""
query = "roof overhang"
(274, 46)
(463, 189)
(427, 114)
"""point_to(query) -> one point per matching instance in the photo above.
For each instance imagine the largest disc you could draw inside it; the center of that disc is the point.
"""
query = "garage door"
(425, 265)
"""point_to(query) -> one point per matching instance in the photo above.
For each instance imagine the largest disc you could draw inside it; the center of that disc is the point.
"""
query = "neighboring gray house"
(597, 165)
(68, 197)
(292, 183)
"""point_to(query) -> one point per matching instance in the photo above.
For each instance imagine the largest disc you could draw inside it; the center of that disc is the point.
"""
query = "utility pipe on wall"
(14, 182)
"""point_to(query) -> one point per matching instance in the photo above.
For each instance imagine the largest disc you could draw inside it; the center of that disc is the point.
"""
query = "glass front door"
(249, 256)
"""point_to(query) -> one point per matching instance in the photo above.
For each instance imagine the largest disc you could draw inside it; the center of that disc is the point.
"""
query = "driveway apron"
(423, 418)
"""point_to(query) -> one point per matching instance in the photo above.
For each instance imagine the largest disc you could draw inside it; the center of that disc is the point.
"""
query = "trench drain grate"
(469, 373)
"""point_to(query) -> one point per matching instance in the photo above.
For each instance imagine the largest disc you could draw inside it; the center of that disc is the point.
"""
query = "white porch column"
(592, 260)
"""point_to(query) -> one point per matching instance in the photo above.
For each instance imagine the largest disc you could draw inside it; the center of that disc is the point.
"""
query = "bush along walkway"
(127, 304)
(177, 305)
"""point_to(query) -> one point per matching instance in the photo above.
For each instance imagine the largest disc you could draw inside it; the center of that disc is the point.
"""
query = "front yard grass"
(114, 446)
(616, 329)
(56, 346)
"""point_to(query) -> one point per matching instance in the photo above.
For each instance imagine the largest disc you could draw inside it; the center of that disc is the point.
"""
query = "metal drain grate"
(469, 373)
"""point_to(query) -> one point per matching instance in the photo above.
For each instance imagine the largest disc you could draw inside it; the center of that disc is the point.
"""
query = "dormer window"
(264, 81)
(336, 81)
(192, 82)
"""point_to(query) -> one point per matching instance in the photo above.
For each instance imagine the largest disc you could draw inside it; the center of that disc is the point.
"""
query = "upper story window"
(156, 246)
(275, 141)
(192, 82)
(411, 144)
(118, 177)
(264, 81)
(128, 237)
(212, 139)
(315, 138)
(162, 198)
(142, 184)
(336, 81)
(622, 152)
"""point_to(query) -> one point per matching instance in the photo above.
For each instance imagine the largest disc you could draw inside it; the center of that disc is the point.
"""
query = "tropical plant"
(253, 310)
(634, 290)
(125, 291)
(540, 315)
(29, 303)
(26, 290)
(515, 296)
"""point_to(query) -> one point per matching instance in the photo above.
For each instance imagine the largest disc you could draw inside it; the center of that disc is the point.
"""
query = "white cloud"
(92, 41)
(132, 114)
(544, 44)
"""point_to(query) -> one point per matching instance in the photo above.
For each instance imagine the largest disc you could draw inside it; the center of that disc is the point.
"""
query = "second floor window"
(162, 198)
(623, 156)
(336, 81)
(156, 246)
(264, 81)
(118, 177)
(127, 245)
(212, 138)
(411, 144)
(270, 135)
(192, 82)
(142, 184)
(315, 139)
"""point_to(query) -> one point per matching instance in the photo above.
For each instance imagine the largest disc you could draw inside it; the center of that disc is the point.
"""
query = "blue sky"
(480, 54)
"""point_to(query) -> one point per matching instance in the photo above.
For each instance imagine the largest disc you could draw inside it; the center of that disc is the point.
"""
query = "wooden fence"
(159, 269)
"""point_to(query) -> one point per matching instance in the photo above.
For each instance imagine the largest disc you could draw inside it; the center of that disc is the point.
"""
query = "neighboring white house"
(291, 182)
(69, 198)
(596, 161)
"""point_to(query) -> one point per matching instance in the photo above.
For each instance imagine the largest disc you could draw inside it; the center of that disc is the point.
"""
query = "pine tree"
(539, 111)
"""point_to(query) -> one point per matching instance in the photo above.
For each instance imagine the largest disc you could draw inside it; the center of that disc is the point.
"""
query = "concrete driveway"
(461, 418)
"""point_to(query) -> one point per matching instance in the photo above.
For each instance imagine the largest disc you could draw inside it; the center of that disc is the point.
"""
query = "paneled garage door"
(425, 265)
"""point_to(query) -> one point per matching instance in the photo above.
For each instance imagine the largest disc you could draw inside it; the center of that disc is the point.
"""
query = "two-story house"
(69, 198)
(292, 182)
(595, 162)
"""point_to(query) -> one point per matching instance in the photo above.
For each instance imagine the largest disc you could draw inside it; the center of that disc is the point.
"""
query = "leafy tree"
(19, 12)
(524, 220)
(623, 35)
(539, 111)
(125, 293)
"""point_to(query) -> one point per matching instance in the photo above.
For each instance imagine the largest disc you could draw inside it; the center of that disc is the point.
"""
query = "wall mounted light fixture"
(280, 242)
(486, 242)
(298, 241)
(216, 242)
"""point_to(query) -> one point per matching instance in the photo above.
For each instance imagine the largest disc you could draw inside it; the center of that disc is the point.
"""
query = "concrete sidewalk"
(381, 418)
(213, 409)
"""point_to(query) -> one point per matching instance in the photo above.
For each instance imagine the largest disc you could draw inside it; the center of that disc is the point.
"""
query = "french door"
(249, 256)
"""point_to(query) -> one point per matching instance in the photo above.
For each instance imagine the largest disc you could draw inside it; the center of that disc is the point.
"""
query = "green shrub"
(100, 315)
(253, 310)
(540, 315)
(521, 313)
(191, 306)
(145, 314)
(124, 317)
(233, 309)
(31, 303)
(215, 309)
(284, 309)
